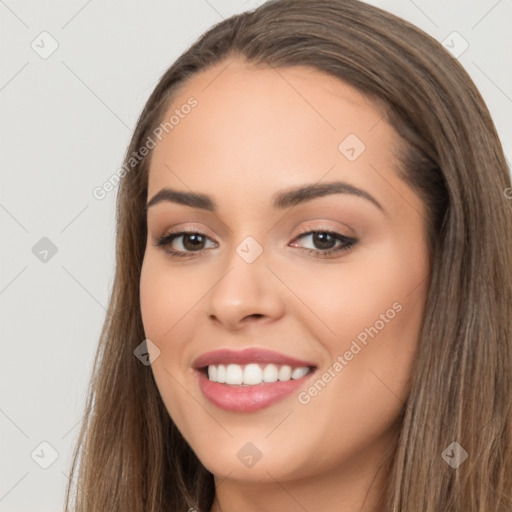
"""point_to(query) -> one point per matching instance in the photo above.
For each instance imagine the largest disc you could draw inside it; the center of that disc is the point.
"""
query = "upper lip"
(248, 355)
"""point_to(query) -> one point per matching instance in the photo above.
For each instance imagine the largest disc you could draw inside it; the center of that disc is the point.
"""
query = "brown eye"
(192, 242)
(326, 243)
(323, 240)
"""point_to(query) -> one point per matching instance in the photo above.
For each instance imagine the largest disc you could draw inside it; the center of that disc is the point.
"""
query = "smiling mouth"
(251, 387)
(254, 374)
(249, 380)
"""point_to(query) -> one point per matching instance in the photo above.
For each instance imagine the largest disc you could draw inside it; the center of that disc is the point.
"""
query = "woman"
(313, 296)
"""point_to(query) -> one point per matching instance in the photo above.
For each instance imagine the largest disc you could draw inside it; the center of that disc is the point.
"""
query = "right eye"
(192, 243)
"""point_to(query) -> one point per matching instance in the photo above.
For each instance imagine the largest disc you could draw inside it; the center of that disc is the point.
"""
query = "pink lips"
(247, 398)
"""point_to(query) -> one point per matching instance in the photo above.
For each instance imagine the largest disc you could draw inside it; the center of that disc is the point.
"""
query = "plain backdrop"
(73, 80)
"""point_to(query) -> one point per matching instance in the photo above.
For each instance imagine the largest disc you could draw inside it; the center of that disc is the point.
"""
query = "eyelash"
(348, 243)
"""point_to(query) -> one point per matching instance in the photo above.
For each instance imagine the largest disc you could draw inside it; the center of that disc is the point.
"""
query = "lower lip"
(248, 398)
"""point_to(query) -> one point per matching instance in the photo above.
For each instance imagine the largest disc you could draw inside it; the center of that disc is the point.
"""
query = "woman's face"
(268, 162)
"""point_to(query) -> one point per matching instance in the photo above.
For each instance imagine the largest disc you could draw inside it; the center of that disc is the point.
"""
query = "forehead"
(257, 128)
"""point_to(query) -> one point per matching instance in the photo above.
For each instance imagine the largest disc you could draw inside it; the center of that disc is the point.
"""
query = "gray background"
(66, 121)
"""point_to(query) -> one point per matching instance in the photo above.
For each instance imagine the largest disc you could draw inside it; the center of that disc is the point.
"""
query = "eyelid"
(311, 226)
(185, 227)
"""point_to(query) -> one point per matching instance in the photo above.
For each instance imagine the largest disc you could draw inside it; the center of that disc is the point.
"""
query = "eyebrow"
(280, 200)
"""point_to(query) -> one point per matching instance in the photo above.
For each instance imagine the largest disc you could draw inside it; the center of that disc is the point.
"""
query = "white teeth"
(285, 373)
(212, 373)
(221, 373)
(253, 374)
(299, 372)
(234, 374)
(270, 373)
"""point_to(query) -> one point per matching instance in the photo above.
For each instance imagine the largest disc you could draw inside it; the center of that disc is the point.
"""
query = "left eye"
(325, 241)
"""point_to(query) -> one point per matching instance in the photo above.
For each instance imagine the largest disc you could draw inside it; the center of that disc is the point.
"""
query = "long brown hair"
(130, 455)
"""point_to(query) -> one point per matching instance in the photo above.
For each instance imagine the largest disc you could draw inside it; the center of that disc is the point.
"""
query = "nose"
(247, 293)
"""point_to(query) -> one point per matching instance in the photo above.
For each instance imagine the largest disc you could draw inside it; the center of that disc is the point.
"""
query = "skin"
(256, 131)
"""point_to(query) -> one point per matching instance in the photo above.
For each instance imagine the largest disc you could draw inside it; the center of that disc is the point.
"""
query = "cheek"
(166, 296)
(154, 297)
